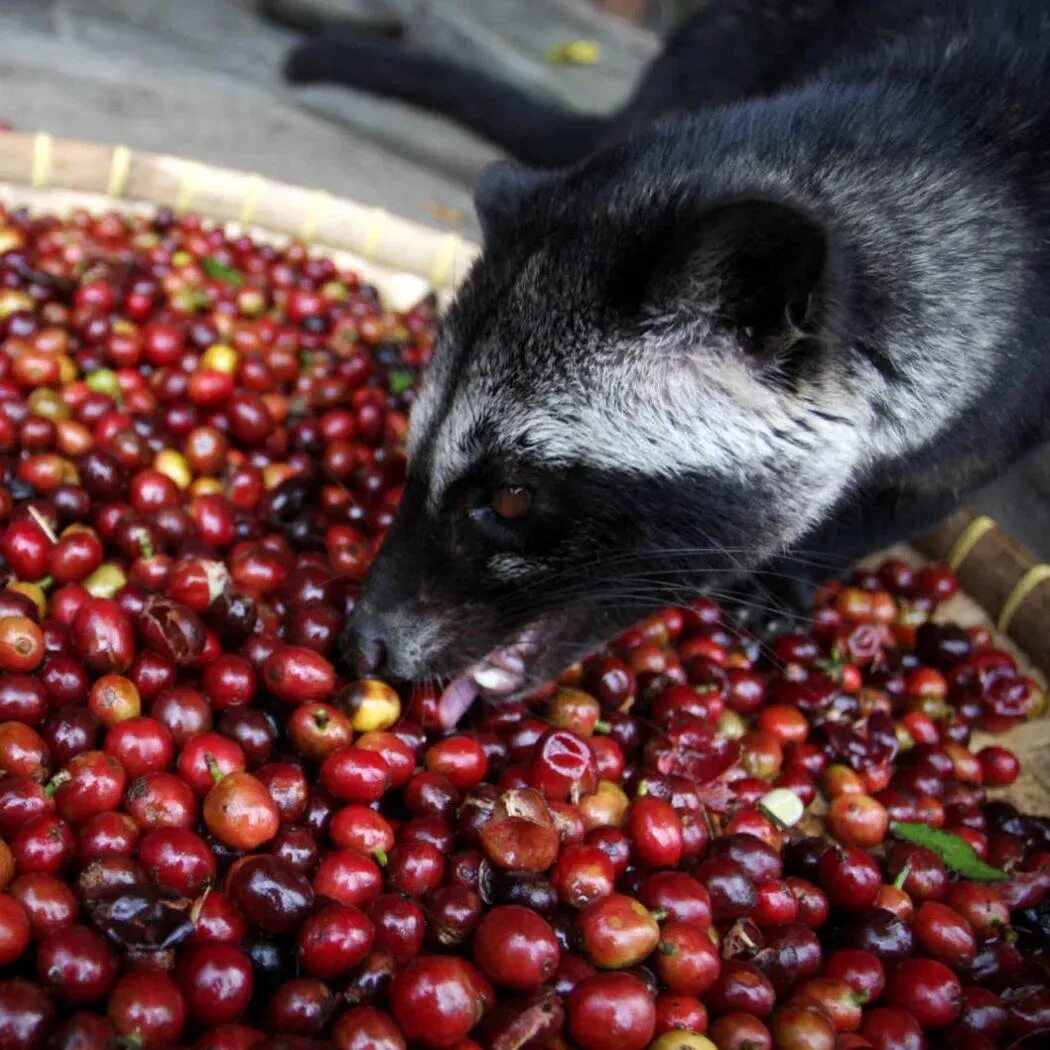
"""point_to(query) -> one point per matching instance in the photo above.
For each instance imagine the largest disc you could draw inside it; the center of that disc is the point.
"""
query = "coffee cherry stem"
(63, 776)
(45, 525)
(902, 876)
(213, 767)
(198, 904)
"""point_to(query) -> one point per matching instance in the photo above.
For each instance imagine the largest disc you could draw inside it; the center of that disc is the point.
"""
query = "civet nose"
(370, 656)
(364, 644)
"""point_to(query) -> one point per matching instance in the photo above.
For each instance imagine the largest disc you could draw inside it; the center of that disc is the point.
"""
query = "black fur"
(533, 130)
(731, 51)
(844, 214)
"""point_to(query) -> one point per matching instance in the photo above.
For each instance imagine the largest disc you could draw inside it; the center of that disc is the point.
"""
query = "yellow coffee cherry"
(730, 724)
(67, 371)
(10, 239)
(274, 473)
(371, 705)
(34, 592)
(220, 357)
(678, 1040)
(104, 381)
(48, 404)
(173, 465)
(605, 807)
(206, 487)
(13, 301)
(105, 581)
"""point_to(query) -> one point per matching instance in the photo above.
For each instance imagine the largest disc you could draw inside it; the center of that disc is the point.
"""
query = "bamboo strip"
(1007, 580)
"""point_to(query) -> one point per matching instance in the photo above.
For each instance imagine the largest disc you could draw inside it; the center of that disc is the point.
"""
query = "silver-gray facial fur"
(809, 319)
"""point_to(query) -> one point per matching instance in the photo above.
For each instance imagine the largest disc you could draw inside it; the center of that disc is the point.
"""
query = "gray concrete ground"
(200, 78)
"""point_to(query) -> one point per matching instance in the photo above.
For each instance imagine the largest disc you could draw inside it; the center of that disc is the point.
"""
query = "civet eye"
(511, 502)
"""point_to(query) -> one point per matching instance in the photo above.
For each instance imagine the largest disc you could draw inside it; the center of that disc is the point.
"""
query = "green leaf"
(400, 382)
(956, 853)
(221, 272)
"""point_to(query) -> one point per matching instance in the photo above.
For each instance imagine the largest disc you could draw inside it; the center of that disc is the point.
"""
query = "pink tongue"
(455, 701)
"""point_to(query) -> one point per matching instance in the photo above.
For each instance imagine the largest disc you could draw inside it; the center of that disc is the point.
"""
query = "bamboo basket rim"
(403, 257)
(406, 260)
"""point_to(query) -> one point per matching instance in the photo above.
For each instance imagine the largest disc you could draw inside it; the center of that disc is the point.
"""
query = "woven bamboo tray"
(403, 259)
(1005, 585)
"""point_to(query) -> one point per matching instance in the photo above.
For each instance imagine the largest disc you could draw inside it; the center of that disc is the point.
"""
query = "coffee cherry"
(945, 935)
(298, 675)
(515, 948)
(679, 895)
(520, 834)
(742, 988)
(999, 767)
(355, 774)
(179, 859)
(796, 1027)
(148, 1008)
(611, 1010)
(21, 644)
(77, 964)
(850, 878)
(857, 820)
(890, 1028)
(927, 990)
(582, 875)
(270, 893)
(103, 636)
(861, 970)
(333, 940)
(687, 960)
(435, 1000)
(49, 905)
(217, 982)
(655, 831)
(27, 1015)
(367, 1028)
(240, 813)
(731, 892)
(617, 932)
(14, 929)
(92, 782)
(740, 1031)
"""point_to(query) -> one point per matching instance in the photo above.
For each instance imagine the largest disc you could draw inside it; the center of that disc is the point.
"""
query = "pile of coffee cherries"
(212, 838)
